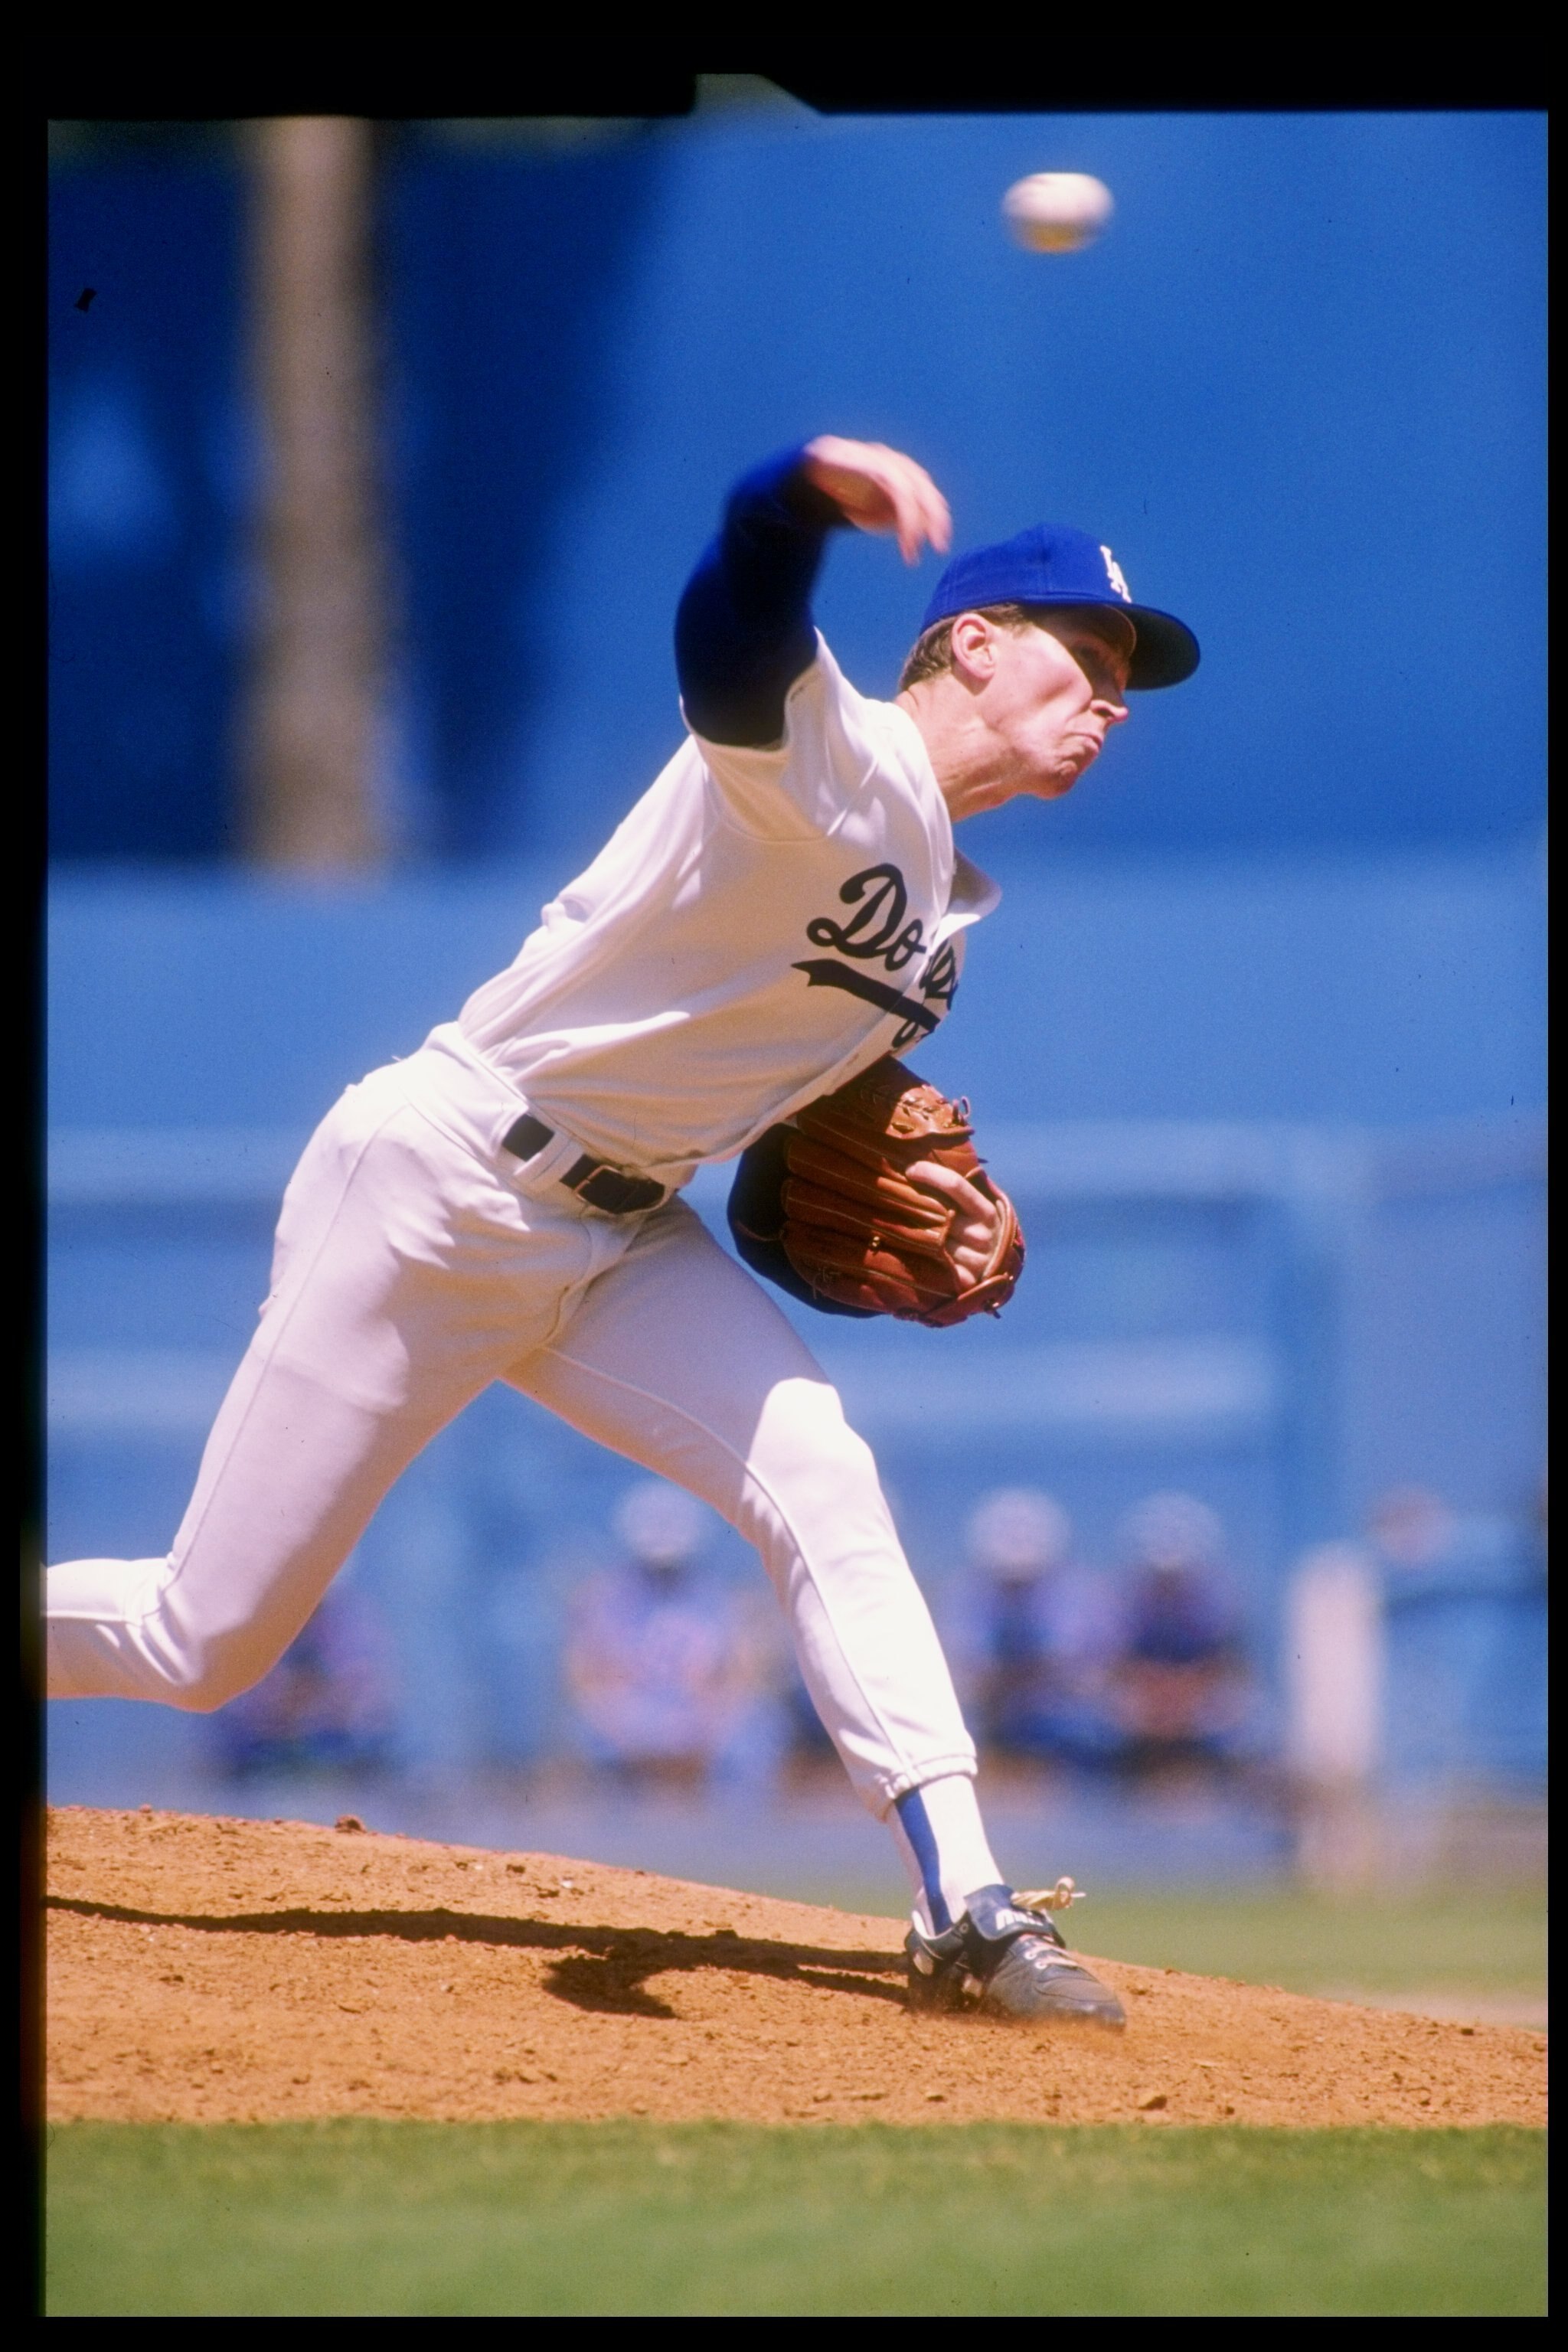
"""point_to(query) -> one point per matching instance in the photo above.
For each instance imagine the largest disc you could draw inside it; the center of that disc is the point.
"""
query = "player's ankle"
(944, 1848)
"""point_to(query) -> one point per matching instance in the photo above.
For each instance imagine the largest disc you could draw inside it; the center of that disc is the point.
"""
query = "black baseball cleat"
(1006, 1961)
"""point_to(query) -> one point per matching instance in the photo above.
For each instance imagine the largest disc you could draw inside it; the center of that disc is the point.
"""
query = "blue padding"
(743, 632)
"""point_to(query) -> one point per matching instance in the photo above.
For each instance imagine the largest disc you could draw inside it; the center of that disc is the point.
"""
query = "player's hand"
(878, 488)
(974, 1235)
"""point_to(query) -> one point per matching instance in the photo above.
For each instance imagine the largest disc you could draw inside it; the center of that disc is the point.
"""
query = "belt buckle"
(618, 1195)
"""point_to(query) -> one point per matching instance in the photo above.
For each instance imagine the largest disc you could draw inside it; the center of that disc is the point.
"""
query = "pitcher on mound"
(781, 918)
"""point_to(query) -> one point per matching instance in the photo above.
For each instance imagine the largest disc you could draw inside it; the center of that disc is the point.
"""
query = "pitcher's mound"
(205, 1970)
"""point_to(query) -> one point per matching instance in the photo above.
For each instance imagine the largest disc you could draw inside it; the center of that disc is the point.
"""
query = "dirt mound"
(216, 1970)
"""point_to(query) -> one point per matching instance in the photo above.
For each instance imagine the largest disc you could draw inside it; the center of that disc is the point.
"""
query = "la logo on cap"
(1051, 565)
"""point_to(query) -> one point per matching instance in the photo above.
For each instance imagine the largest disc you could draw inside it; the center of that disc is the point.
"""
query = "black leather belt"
(602, 1187)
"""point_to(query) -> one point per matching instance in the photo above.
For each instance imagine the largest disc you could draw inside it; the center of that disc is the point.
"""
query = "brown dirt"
(208, 1970)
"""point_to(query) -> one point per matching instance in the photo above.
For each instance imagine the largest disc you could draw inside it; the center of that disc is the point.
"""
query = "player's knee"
(844, 1475)
(823, 1476)
(200, 1677)
(804, 1426)
(195, 1688)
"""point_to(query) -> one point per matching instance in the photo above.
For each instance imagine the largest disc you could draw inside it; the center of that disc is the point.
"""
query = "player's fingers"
(908, 514)
(935, 511)
(922, 511)
(958, 1189)
(880, 489)
(935, 519)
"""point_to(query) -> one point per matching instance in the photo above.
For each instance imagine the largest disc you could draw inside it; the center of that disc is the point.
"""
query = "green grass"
(1493, 1946)
(420, 2220)
(1312, 1943)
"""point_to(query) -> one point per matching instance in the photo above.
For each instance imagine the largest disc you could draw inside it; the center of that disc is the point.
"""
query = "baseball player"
(782, 910)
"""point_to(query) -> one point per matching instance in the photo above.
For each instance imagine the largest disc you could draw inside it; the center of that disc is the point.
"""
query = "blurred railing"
(1284, 1318)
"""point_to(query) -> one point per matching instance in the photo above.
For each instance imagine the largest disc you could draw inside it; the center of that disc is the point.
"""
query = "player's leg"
(289, 1479)
(675, 1357)
(405, 1276)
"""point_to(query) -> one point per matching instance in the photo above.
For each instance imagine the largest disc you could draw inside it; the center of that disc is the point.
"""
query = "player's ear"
(973, 639)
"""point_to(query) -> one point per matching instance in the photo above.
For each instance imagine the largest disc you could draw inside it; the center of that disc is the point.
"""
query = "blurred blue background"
(1298, 386)
(1256, 1034)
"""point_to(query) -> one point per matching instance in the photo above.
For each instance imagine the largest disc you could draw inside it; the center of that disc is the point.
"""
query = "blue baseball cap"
(1050, 565)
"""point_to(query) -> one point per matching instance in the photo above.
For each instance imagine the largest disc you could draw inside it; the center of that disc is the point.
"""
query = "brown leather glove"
(824, 1206)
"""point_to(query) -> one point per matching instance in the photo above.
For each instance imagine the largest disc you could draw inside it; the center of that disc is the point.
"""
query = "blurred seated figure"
(1464, 1685)
(1181, 1688)
(1421, 1546)
(1411, 1530)
(326, 1705)
(1033, 1644)
(661, 1664)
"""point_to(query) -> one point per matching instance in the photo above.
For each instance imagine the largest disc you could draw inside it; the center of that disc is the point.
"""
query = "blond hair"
(932, 652)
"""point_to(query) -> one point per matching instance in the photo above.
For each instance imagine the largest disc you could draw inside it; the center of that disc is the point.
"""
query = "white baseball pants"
(417, 1261)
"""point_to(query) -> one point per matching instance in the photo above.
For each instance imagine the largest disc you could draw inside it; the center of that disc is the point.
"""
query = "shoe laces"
(1042, 1955)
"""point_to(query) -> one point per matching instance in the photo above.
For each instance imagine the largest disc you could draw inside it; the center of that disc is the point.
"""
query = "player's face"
(1057, 692)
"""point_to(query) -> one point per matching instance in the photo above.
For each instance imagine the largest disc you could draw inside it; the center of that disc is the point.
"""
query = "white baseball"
(1056, 212)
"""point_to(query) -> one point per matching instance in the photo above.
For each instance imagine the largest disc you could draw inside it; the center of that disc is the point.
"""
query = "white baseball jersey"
(762, 925)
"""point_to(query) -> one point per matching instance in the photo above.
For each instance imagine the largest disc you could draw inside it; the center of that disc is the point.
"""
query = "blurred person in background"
(326, 1705)
(1033, 1633)
(1461, 1596)
(1411, 1530)
(1420, 1544)
(1181, 1687)
(663, 1666)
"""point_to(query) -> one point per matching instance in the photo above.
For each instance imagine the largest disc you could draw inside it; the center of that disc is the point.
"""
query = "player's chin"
(1059, 769)
(1059, 781)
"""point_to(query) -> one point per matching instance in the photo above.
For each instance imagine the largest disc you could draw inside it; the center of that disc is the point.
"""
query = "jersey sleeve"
(744, 630)
(832, 743)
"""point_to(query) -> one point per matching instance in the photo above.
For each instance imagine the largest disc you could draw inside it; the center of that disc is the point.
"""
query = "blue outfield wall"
(1274, 1128)
(1306, 422)
(1340, 988)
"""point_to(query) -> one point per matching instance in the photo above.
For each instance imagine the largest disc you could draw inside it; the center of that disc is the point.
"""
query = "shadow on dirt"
(602, 1969)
